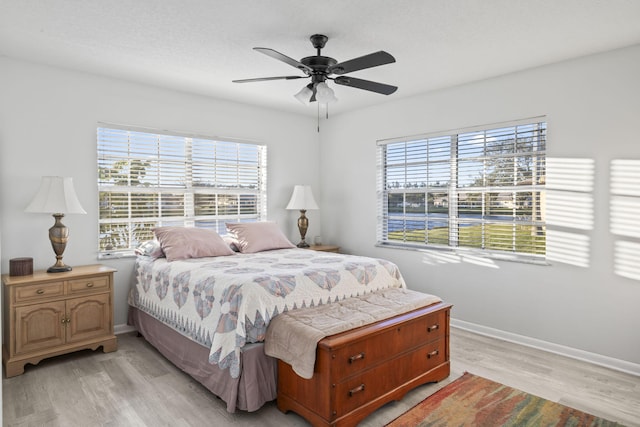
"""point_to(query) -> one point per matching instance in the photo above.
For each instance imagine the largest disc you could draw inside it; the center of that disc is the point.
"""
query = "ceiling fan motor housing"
(319, 64)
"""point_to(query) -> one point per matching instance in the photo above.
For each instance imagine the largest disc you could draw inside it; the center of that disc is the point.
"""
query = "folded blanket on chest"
(293, 336)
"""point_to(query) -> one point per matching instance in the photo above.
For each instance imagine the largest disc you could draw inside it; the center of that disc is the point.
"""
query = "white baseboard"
(596, 359)
(123, 329)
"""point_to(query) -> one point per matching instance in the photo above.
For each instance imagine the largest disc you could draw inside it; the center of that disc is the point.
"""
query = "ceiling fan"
(320, 69)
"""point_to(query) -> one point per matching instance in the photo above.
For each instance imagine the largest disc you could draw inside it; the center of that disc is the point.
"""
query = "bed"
(209, 314)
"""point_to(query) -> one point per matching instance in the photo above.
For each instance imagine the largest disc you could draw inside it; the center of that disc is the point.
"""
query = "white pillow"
(189, 242)
(150, 248)
(255, 237)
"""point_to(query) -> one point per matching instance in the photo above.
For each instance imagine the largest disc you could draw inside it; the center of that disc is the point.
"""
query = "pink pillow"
(258, 236)
(189, 242)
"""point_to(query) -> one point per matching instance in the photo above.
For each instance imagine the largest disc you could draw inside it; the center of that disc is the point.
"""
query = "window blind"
(147, 180)
(480, 188)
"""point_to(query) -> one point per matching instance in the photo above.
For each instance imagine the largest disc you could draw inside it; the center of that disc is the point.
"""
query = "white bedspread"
(225, 302)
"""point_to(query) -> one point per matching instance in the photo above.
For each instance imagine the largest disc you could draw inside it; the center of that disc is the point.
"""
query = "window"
(480, 188)
(147, 180)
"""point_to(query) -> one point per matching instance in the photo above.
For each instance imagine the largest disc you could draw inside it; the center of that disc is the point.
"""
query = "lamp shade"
(304, 96)
(302, 198)
(324, 94)
(56, 195)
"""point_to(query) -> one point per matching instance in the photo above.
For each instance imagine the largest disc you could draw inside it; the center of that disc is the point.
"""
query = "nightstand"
(49, 314)
(325, 248)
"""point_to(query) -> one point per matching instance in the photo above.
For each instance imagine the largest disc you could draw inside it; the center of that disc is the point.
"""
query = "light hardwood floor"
(136, 386)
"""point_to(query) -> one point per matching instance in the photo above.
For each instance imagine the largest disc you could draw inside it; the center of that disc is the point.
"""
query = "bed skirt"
(256, 385)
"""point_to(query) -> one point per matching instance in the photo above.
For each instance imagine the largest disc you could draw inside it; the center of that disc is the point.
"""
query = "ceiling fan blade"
(264, 79)
(284, 58)
(366, 85)
(366, 61)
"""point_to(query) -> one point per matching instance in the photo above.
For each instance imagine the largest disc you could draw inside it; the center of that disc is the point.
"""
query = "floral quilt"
(226, 302)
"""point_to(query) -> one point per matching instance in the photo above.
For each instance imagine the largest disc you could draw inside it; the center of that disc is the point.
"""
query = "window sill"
(115, 255)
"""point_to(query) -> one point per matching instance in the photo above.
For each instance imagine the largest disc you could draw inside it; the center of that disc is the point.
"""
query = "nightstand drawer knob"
(90, 285)
(40, 291)
(434, 353)
(433, 328)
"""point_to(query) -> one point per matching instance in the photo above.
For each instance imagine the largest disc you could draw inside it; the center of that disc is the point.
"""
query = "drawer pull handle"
(356, 357)
(40, 291)
(90, 285)
(65, 320)
(433, 328)
(434, 353)
(356, 390)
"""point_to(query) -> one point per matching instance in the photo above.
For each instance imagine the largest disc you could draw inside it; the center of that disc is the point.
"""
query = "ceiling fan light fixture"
(304, 96)
(324, 94)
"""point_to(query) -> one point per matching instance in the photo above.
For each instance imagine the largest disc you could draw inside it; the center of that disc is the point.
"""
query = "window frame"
(432, 166)
(177, 175)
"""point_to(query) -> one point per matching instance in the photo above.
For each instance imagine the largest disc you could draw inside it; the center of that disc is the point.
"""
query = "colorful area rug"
(475, 401)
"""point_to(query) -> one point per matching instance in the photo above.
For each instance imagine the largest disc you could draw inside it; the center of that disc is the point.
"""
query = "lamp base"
(58, 234)
(58, 269)
(303, 224)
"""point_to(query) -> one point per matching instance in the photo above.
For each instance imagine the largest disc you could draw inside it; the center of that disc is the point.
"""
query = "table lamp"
(58, 197)
(302, 200)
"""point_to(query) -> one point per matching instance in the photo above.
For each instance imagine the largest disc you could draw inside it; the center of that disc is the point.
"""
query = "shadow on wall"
(624, 224)
(568, 210)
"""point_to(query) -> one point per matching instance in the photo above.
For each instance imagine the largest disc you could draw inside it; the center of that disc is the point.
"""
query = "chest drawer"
(372, 350)
(366, 386)
(41, 291)
(91, 284)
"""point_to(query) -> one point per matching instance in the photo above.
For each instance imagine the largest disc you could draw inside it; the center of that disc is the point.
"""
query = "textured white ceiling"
(199, 46)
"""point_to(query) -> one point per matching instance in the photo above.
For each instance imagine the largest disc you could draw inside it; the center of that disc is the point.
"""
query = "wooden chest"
(358, 371)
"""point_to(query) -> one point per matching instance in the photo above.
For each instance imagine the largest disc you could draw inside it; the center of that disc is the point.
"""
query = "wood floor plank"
(136, 386)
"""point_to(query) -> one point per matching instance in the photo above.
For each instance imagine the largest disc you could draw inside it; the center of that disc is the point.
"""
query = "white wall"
(592, 106)
(48, 121)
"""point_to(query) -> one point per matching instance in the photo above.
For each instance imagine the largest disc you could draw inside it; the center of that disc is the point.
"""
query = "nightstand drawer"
(90, 284)
(28, 293)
